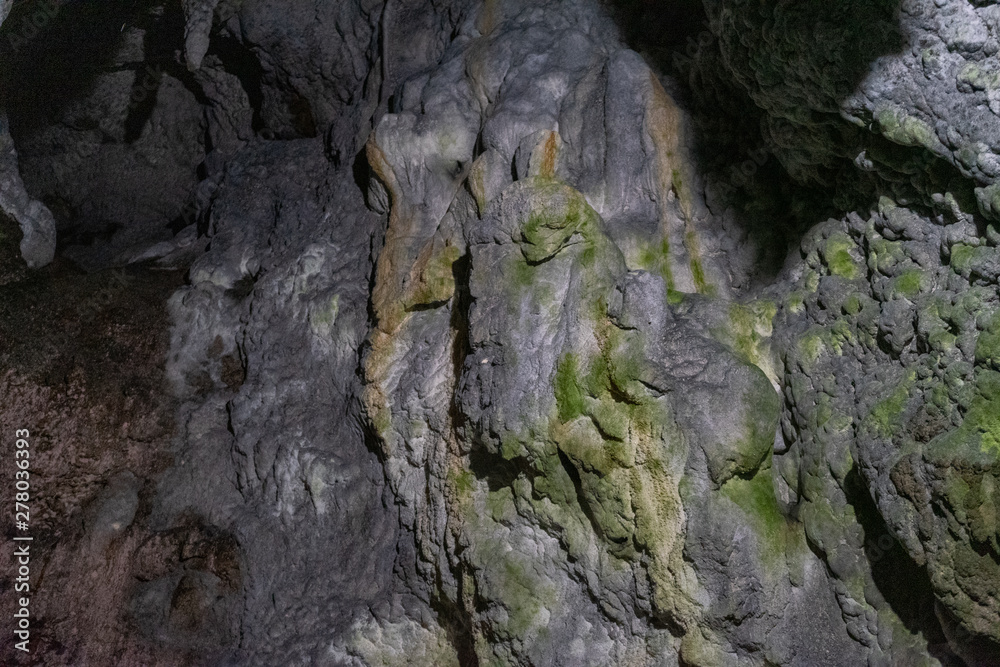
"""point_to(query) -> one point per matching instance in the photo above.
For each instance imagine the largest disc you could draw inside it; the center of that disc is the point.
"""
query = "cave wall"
(543, 333)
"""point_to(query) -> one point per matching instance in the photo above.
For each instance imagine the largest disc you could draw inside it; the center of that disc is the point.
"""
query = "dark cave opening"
(107, 127)
(115, 135)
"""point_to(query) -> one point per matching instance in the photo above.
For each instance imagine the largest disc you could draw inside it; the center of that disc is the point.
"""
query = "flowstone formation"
(492, 350)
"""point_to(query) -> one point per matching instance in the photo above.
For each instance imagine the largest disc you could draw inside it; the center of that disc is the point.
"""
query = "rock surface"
(524, 333)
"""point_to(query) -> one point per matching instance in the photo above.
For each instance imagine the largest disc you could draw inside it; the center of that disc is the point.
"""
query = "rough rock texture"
(82, 359)
(502, 343)
(38, 227)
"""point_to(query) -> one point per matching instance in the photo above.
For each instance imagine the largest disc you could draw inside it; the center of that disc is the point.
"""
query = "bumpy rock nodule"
(479, 368)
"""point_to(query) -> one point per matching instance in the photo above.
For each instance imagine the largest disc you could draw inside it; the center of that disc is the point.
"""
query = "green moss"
(988, 199)
(942, 341)
(589, 254)
(500, 505)
(977, 440)
(752, 324)
(795, 302)
(755, 496)
(837, 254)
(610, 419)
(811, 281)
(463, 481)
(747, 335)
(886, 415)
(522, 274)
(547, 230)
(436, 282)
(617, 453)
(524, 596)
(569, 394)
(988, 344)
(852, 305)
(511, 447)
(961, 258)
(885, 255)
(973, 75)
(809, 348)
(966, 260)
(701, 284)
(908, 283)
(553, 481)
(655, 258)
(624, 356)
(899, 127)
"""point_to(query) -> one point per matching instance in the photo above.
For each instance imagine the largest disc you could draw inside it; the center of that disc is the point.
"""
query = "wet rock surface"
(508, 333)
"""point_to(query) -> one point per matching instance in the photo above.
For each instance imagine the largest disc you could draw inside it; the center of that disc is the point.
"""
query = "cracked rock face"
(521, 333)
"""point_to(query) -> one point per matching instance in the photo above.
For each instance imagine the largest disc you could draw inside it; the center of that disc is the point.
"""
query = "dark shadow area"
(977, 650)
(743, 151)
(905, 586)
(68, 68)
(163, 36)
(458, 625)
(499, 473)
(243, 63)
(51, 54)
(661, 28)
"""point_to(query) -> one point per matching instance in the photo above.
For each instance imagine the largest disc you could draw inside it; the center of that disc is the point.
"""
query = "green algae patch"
(961, 258)
(755, 496)
(974, 501)
(837, 255)
(884, 255)
(525, 596)
(435, 279)
(655, 258)
(517, 597)
(747, 334)
(908, 283)
(569, 395)
(617, 441)
(967, 260)
(521, 273)
(979, 435)
(809, 348)
(701, 284)
(988, 199)
(795, 302)
(818, 341)
(988, 344)
(978, 78)
(901, 128)
(463, 481)
(550, 227)
(852, 305)
(886, 416)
